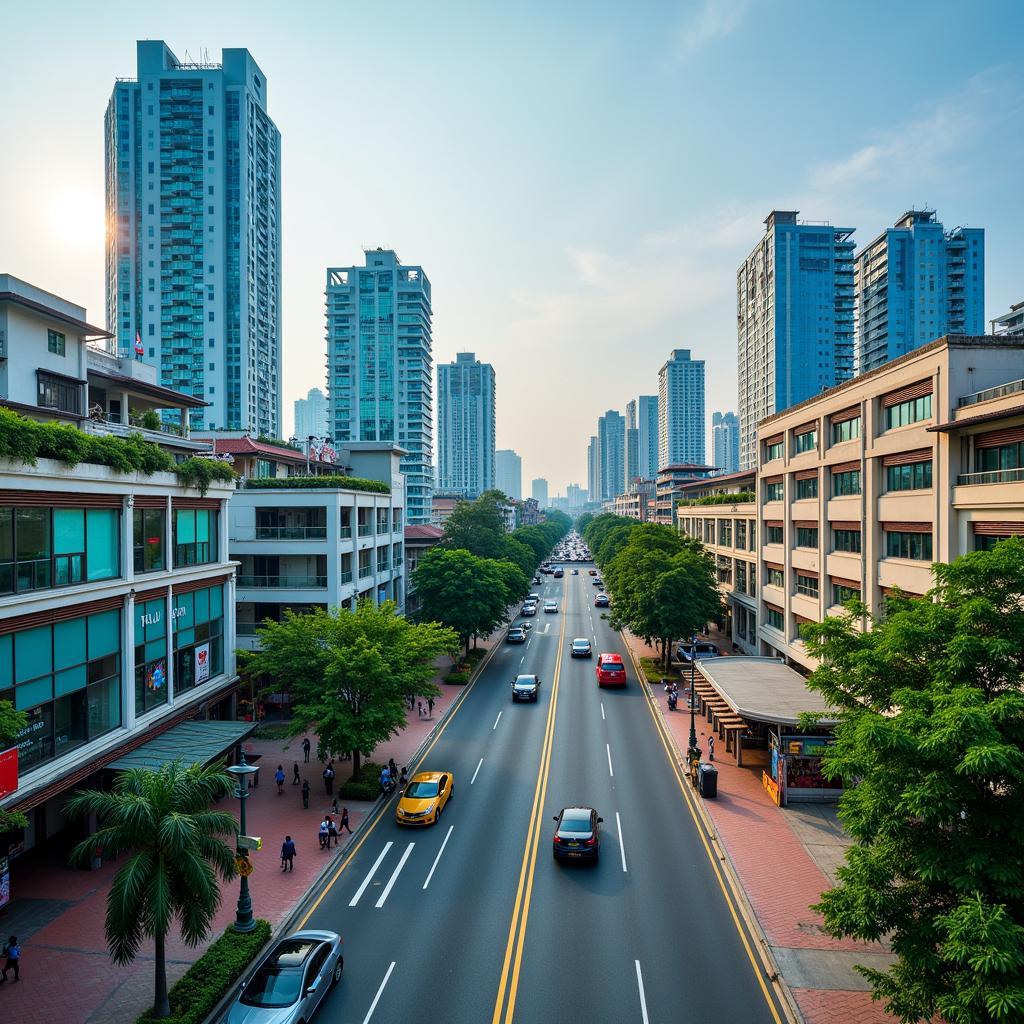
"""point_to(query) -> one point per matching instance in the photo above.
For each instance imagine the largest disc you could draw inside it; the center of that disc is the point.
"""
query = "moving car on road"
(592, 572)
(550, 607)
(610, 670)
(290, 981)
(581, 648)
(577, 834)
(528, 609)
(516, 635)
(557, 574)
(597, 581)
(575, 572)
(602, 601)
(525, 687)
(425, 798)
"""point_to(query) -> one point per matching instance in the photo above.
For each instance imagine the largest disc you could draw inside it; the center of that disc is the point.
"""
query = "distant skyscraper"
(379, 383)
(611, 453)
(576, 496)
(465, 425)
(593, 470)
(647, 437)
(632, 443)
(193, 247)
(794, 319)
(916, 282)
(508, 473)
(681, 410)
(311, 415)
(725, 429)
(539, 491)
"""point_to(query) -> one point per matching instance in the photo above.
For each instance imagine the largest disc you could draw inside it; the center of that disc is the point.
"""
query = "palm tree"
(162, 820)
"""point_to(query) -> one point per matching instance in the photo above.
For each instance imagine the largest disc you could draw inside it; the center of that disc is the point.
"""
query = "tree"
(350, 673)
(515, 581)
(583, 521)
(518, 554)
(11, 724)
(931, 730)
(536, 539)
(162, 820)
(477, 527)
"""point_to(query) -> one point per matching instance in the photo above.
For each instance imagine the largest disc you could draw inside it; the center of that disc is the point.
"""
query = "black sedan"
(577, 834)
(526, 687)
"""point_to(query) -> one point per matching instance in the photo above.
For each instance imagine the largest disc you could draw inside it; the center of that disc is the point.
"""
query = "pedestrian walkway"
(58, 914)
(783, 859)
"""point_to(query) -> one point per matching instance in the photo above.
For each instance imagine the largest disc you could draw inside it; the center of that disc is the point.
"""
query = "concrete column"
(334, 552)
(127, 538)
(128, 662)
(230, 626)
(168, 607)
(223, 532)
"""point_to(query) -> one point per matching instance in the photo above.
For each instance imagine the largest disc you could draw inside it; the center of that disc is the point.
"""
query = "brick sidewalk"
(58, 914)
(780, 879)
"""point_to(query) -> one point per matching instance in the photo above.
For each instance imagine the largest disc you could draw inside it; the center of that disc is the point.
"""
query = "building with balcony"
(721, 513)
(116, 588)
(680, 410)
(311, 417)
(465, 426)
(508, 473)
(669, 489)
(861, 489)
(637, 502)
(1011, 322)
(418, 541)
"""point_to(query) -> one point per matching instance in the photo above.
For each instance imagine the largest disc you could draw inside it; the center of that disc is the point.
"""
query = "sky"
(579, 179)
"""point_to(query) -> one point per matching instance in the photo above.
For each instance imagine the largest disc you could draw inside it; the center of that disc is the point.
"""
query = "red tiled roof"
(423, 532)
(247, 446)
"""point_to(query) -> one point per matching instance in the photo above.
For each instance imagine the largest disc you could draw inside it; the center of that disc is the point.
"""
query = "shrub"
(367, 788)
(350, 483)
(652, 669)
(200, 473)
(720, 499)
(208, 980)
(457, 678)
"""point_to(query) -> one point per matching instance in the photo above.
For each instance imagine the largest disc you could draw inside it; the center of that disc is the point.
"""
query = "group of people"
(329, 830)
(390, 777)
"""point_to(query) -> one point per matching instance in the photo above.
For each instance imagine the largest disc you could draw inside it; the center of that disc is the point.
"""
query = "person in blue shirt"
(13, 953)
(385, 779)
(279, 779)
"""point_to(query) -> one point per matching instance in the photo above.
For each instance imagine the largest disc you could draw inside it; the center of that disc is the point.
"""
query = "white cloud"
(712, 20)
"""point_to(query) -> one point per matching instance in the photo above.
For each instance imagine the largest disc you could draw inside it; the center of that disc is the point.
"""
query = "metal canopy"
(195, 742)
(764, 690)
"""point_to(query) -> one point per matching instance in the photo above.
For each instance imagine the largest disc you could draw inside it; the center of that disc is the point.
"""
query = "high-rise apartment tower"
(465, 426)
(681, 410)
(508, 473)
(611, 454)
(725, 432)
(311, 415)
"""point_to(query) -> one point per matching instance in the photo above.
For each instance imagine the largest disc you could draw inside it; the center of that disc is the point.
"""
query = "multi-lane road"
(471, 921)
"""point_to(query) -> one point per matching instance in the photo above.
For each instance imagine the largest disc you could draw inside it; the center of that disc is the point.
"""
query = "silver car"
(291, 981)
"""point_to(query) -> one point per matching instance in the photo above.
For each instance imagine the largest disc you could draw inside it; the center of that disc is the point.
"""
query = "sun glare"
(76, 218)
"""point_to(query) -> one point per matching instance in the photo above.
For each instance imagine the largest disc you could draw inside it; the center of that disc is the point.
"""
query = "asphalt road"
(471, 921)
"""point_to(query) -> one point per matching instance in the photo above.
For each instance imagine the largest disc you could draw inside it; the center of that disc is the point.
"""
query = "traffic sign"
(250, 843)
(243, 866)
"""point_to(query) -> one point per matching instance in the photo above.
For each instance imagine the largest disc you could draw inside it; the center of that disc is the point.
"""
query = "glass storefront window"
(195, 536)
(150, 655)
(148, 539)
(198, 637)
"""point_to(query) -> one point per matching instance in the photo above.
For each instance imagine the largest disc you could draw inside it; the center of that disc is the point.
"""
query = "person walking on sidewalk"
(295, 774)
(393, 768)
(332, 832)
(287, 854)
(430, 707)
(324, 837)
(329, 779)
(419, 707)
(279, 779)
(13, 953)
(343, 824)
(305, 749)
(305, 793)
(711, 748)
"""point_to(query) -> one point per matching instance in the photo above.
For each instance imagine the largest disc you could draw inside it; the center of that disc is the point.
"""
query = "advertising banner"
(8, 771)
(202, 666)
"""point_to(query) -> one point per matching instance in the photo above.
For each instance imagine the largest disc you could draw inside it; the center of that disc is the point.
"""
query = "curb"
(771, 966)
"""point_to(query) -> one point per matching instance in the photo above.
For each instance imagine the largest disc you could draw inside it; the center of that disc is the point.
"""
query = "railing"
(1012, 388)
(291, 533)
(284, 582)
(399, 560)
(346, 531)
(993, 476)
(365, 570)
(366, 529)
(346, 576)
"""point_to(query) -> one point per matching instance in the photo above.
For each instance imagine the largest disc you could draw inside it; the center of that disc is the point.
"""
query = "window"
(847, 430)
(264, 469)
(1006, 456)
(899, 544)
(725, 532)
(61, 393)
(55, 343)
(776, 620)
(985, 542)
(198, 637)
(806, 536)
(775, 578)
(195, 536)
(775, 535)
(741, 576)
(915, 476)
(148, 539)
(841, 593)
(846, 540)
(741, 534)
(845, 483)
(911, 411)
(150, 654)
(773, 491)
(773, 451)
(724, 569)
(806, 585)
(807, 488)
(806, 442)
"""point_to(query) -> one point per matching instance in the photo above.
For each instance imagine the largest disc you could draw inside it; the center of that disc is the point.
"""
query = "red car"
(610, 670)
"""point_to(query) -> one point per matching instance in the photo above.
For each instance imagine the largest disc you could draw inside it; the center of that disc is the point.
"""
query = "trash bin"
(707, 781)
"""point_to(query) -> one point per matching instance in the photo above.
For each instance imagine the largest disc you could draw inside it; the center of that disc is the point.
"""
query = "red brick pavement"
(831, 1007)
(73, 945)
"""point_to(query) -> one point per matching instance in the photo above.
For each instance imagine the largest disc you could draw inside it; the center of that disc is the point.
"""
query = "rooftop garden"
(328, 482)
(719, 499)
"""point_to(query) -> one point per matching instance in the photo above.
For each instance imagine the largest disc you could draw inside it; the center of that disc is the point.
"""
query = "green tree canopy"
(931, 741)
(477, 527)
(350, 672)
(161, 820)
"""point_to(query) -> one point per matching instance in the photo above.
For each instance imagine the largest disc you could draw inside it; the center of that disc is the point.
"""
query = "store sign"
(202, 666)
(8, 772)
(810, 746)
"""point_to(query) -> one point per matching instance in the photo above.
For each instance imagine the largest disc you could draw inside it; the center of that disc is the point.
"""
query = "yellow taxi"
(425, 798)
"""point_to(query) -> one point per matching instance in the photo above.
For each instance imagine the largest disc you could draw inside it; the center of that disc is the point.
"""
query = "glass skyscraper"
(681, 410)
(725, 431)
(465, 426)
(611, 454)
(193, 248)
(379, 360)
(508, 473)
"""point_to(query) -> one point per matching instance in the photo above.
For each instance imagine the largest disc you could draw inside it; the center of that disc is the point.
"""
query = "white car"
(550, 607)
(528, 609)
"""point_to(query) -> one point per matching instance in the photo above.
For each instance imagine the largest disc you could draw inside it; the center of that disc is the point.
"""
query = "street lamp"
(694, 751)
(244, 921)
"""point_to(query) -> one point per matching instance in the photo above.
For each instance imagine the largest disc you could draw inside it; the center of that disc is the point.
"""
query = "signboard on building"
(8, 771)
(202, 667)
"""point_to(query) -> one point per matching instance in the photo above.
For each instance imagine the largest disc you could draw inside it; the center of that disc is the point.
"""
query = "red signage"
(8, 771)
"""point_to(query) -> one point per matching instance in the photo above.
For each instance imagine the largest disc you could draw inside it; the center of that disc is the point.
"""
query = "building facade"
(508, 473)
(647, 436)
(465, 426)
(681, 410)
(636, 502)
(418, 541)
(862, 488)
(539, 492)
(725, 432)
(794, 319)
(611, 454)
(632, 442)
(593, 470)
(916, 282)
(1011, 322)
(311, 416)
(669, 489)
(379, 360)
(193, 246)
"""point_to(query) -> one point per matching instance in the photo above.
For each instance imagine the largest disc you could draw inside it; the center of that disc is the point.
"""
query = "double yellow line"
(510, 967)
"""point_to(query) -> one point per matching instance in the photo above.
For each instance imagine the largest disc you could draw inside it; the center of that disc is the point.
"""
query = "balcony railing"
(291, 533)
(284, 582)
(366, 529)
(345, 576)
(1012, 388)
(992, 476)
(365, 570)
(346, 531)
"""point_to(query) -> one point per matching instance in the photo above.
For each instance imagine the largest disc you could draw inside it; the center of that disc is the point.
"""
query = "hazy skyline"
(579, 182)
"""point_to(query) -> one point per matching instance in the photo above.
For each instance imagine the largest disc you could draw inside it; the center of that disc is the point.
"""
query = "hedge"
(208, 980)
(719, 499)
(348, 483)
(457, 678)
(368, 788)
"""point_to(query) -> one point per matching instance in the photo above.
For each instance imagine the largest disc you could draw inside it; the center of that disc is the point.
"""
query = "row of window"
(898, 544)
(914, 476)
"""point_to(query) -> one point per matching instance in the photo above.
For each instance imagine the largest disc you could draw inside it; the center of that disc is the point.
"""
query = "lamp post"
(694, 751)
(244, 921)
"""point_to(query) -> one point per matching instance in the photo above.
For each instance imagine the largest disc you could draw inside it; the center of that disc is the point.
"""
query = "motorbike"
(673, 700)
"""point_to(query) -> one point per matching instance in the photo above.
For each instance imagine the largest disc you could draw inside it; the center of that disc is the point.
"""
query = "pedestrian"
(305, 793)
(711, 748)
(332, 832)
(393, 768)
(295, 774)
(324, 838)
(305, 749)
(13, 953)
(344, 821)
(287, 854)
(419, 707)
(430, 707)
(279, 779)
(664, 682)
(329, 779)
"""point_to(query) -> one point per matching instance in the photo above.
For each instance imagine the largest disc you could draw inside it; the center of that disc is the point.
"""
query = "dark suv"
(577, 834)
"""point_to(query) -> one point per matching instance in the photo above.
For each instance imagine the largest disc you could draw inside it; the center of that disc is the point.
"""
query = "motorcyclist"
(385, 780)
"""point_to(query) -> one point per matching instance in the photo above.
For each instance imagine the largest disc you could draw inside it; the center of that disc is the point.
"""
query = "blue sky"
(580, 180)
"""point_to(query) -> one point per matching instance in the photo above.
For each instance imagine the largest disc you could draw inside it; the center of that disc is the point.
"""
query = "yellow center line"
(521, 906)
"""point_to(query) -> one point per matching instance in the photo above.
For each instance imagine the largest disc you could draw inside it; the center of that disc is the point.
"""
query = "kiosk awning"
(195, 742)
